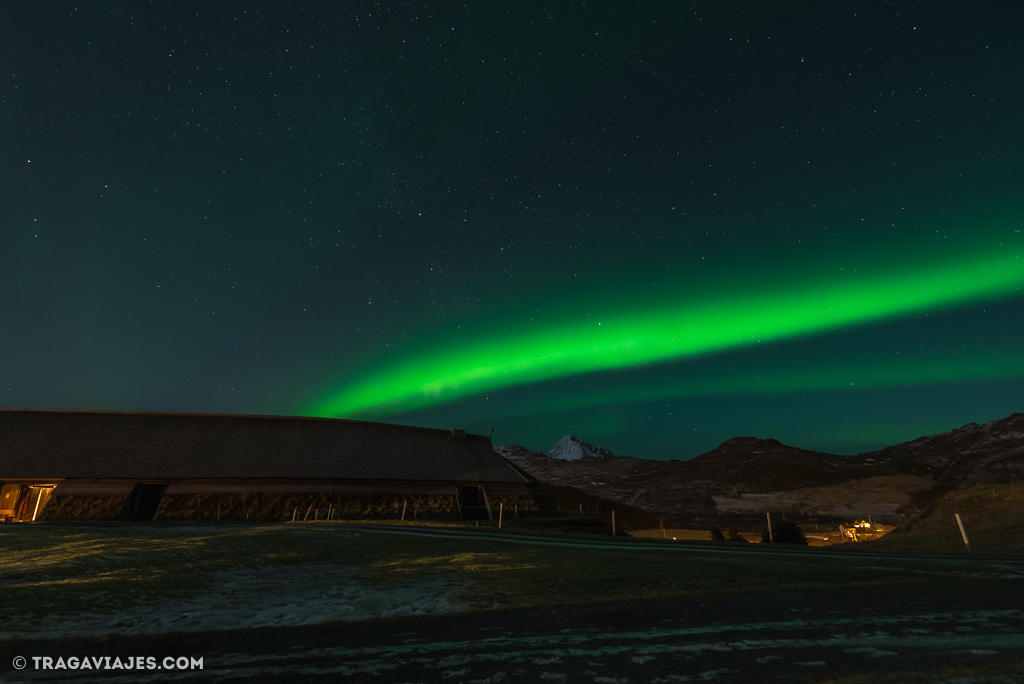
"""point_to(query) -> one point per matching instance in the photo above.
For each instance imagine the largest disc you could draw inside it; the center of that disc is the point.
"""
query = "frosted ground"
(217, 596)
(81, 579)
(261, 597)
(613, 609)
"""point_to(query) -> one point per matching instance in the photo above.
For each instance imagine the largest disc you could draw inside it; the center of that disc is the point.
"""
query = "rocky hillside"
(992, 452)
(969, 454)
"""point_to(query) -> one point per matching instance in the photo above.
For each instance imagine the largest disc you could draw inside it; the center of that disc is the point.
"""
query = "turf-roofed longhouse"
(102, 465)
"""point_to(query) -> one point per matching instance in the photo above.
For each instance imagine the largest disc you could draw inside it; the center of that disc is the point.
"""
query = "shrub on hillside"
(785, 532)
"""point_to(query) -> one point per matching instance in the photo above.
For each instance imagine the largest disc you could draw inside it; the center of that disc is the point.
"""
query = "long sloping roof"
(53, 443)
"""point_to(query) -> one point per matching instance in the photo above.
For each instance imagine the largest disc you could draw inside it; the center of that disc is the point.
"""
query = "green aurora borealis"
(655, 226)
(624, 339)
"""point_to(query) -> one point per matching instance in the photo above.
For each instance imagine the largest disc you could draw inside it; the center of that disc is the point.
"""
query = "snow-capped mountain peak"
(573, 448)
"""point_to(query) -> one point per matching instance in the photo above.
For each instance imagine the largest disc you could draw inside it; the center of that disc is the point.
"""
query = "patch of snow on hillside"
(517, 451)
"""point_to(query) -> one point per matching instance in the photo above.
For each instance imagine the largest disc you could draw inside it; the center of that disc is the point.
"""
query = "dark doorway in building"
(471, 503)
(143, 502)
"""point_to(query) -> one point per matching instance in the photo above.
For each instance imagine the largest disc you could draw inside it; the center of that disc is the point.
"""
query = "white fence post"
(963, 532)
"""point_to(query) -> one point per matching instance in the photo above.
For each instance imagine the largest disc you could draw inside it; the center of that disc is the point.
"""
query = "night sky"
(655, 225)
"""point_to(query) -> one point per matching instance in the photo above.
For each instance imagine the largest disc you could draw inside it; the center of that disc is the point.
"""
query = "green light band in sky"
(666, 333)
(804, 379)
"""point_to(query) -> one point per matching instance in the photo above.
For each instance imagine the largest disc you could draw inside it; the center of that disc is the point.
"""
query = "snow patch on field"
(262, 597)
(881, 495)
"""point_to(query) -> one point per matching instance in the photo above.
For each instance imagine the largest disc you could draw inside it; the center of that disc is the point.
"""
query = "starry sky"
(655, 225)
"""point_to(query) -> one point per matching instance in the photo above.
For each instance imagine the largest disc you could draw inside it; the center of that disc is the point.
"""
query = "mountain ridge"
(746, 466)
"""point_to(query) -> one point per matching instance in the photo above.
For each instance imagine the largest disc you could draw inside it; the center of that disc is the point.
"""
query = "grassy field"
(993, 516)
(71, 578)
(997, 673)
